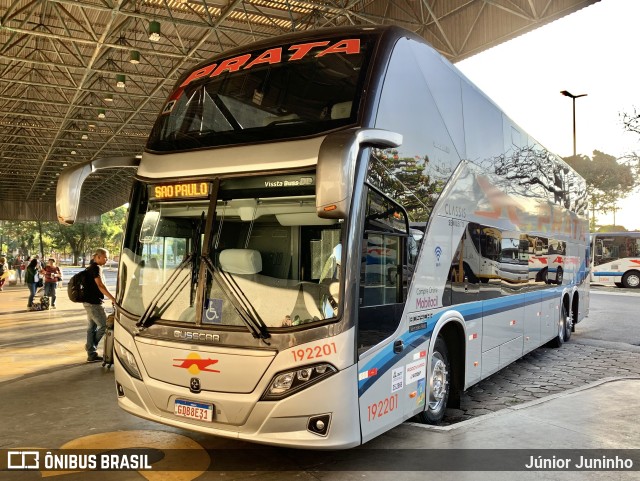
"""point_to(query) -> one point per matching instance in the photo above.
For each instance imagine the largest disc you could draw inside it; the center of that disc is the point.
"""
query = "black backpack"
(76, 287)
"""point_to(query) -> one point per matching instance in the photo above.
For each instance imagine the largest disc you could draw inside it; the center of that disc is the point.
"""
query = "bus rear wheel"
(564, 329)
(631, 279)
(439, 384)
(569, 325)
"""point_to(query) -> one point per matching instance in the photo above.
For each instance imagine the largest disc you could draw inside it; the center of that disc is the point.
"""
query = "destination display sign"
(180, 190)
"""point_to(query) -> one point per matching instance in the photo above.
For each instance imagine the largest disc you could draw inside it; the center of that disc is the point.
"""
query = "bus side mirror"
(336, 167)
(71, 180)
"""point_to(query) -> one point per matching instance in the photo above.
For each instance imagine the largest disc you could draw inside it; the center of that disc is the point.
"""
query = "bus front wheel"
(439, 384)
(631, 279)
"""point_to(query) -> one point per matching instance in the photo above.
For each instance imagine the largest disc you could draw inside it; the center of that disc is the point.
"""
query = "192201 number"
(386, 406)
(315, 352)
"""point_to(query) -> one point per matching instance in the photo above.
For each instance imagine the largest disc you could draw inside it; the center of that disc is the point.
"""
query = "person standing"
(52, 276)
(18, 266)
(95, 292)
(31, 280)
(4, 271)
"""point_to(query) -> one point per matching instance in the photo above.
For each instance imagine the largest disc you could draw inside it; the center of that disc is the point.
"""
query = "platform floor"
(51, 398)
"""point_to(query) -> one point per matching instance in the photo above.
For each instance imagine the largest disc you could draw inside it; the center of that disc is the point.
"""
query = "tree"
(405, 179)
(608, 180)
(19, 237)
(631, 123)
(79, 237)
(35, 237)
(612, 228)
(113, 223)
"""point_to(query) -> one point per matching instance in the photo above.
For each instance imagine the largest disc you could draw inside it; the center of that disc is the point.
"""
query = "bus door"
(381, 348)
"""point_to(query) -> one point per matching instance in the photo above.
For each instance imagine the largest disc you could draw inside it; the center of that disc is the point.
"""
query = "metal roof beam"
(77, 67)
(174, 71)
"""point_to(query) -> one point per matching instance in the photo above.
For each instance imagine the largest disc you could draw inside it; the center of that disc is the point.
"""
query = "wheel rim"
(559, 276)
(439, 382)
(633, 280)
(569, 326)
(561, 327)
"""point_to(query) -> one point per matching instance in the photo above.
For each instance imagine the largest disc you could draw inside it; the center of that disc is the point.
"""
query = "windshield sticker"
(169, 107)
(212, 311)
(273, 56)
(257, 97)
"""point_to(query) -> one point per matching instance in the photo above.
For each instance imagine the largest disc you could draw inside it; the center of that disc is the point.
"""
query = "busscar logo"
(195, 336)
(195, 364)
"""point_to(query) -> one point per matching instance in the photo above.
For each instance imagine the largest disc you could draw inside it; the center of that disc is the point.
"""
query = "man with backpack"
(94, 292)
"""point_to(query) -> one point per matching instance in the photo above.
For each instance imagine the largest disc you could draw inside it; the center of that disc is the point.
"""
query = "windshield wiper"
(244, 308)
(153, 312)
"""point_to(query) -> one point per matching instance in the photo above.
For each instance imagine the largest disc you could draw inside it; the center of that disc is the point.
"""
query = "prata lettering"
(273, 56)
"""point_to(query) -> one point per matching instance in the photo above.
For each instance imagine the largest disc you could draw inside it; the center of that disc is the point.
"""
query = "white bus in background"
(616, 259)
(556, 262)
(497, 255)
(304, 311)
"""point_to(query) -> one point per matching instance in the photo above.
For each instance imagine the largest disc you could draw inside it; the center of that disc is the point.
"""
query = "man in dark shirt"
(95, 292)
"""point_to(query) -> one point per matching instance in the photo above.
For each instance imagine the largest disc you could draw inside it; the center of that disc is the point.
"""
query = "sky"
(593, 51)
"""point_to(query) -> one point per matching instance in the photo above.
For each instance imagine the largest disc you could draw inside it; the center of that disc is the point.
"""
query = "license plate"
(193, 410)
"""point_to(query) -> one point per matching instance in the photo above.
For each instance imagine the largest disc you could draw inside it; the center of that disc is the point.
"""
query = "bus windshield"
(289, 91)
(272, 260)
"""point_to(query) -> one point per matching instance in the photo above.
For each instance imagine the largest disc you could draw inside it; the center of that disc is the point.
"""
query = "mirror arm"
(337, 163)
(71, 179)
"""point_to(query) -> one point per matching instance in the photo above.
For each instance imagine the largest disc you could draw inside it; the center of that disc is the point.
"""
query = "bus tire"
(559, 275)
(439, 381)
(631, 279)
(569, 324)
(618, 284)
(558, 341)
(468, 273)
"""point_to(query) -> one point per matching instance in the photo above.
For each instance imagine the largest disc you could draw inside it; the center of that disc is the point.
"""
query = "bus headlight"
(289, 382)
(127, 360)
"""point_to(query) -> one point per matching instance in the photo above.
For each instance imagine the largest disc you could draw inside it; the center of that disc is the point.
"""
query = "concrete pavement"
(51, 398)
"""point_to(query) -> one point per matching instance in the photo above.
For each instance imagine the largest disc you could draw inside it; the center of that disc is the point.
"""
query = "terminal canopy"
(86, 80)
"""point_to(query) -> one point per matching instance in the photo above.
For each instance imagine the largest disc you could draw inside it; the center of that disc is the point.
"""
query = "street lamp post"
(573, 97)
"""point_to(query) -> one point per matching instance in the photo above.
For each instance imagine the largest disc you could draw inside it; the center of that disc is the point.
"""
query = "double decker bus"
(616, 259)
(293, 267)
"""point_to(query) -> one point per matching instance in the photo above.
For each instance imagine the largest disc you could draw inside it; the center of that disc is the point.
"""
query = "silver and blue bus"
(302, 258)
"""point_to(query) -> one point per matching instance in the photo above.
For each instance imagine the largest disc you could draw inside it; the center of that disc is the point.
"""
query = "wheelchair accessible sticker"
(212, 312)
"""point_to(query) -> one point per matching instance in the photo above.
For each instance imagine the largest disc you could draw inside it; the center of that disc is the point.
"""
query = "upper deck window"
(288, 91)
